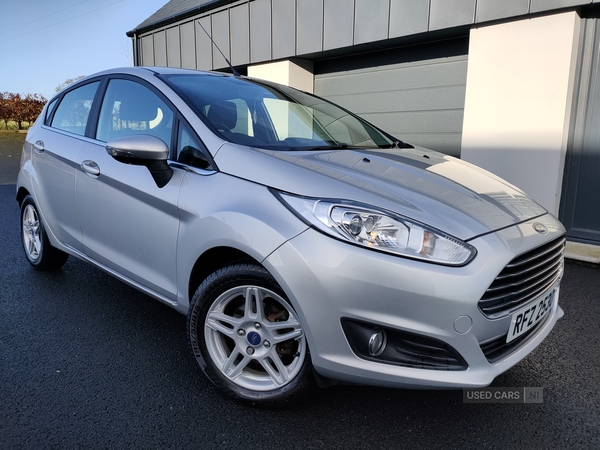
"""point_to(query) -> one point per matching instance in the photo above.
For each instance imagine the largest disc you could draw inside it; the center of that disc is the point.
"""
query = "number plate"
(525, 318)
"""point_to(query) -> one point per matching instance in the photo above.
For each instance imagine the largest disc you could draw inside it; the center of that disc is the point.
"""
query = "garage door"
(579, 202)
(416, 93)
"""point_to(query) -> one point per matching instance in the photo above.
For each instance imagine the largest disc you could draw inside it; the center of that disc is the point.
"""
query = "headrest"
(140, 108)
(224, 113)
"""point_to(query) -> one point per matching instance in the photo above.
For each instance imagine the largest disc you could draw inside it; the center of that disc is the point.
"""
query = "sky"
(46, 42)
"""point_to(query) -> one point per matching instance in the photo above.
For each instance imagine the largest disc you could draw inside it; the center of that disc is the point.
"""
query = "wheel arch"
(21, 194)
(212, 260)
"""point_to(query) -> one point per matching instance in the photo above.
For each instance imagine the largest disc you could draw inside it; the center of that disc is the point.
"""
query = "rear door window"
(74, 109)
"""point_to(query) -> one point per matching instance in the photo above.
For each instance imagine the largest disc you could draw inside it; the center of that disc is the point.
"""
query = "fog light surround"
(377, 342)
(388, 345)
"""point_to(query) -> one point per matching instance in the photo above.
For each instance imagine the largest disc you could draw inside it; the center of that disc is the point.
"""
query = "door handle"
(90, 168)
(39, 146)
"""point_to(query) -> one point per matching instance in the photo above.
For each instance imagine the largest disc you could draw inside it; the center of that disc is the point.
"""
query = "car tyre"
(38, 250)
(247, 338)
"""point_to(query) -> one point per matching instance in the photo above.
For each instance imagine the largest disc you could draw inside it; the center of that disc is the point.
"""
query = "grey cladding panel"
(338, 18)
(545, 5)
(188, 50)
(260, 30)
(240, 34)
(284, 28)
(451, 13)
(220, 34)
(148, 50)
(309, 36)
(494, 9)
(371, 20)
(160, 49)
(204, 48)
(173, 49)
(408, 17)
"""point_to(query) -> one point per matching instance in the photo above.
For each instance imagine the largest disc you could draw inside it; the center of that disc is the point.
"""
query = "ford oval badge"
(540, 228)
(254, 338)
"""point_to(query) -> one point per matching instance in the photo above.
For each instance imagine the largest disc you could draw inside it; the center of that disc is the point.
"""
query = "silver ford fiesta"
(305, 245)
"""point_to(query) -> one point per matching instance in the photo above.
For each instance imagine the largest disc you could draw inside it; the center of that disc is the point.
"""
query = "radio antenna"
(235, 72)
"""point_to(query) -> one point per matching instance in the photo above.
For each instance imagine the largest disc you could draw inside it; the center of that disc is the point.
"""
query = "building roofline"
(143, 27)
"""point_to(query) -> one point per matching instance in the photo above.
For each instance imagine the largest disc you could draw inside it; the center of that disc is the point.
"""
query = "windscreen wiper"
(338, 146)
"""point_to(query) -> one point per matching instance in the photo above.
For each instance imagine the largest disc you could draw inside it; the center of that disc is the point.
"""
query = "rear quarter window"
(49, 110)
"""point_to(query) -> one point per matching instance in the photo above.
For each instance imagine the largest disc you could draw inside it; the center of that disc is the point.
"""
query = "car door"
(129, 224)
(56, 144)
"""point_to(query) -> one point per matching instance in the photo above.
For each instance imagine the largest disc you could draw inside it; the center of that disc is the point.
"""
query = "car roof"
(146, 70)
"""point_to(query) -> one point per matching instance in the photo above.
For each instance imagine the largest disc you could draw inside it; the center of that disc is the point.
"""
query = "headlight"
(380, 230)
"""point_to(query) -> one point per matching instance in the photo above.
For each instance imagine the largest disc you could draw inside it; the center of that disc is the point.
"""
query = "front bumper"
(329, 281)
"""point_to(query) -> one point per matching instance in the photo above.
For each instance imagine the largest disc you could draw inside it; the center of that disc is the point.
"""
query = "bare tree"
(67, 82)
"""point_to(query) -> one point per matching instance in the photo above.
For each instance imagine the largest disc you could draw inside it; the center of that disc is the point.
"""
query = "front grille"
(523, 279)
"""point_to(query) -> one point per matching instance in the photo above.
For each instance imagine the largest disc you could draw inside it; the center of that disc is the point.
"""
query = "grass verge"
(11, 144)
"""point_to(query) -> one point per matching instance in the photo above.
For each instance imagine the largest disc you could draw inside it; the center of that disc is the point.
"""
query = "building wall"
(518, 101)
(257, 31)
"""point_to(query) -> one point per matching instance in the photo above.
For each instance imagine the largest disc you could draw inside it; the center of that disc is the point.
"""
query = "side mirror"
(144, 150)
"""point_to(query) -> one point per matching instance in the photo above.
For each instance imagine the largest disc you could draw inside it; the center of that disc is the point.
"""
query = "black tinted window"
(50, 110)
(190, 150)
(74, 109)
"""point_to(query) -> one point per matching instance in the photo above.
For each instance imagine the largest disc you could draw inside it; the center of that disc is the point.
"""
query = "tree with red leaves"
(20, 108)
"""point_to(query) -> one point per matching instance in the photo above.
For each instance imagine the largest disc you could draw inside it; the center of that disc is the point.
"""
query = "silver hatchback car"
(302, 243)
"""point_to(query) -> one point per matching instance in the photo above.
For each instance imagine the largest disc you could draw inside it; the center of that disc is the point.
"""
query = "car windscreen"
(265, 115)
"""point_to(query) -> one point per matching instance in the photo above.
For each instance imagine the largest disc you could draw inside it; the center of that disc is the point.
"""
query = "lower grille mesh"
(498, 348)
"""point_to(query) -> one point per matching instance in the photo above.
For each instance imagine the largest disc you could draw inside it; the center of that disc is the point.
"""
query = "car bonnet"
(435, 189)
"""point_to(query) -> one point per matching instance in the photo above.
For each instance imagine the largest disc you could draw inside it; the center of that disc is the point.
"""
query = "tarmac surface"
(88, 362)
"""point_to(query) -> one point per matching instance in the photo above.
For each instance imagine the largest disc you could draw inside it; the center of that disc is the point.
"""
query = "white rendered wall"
(288, 74)
(518, 102)
(285, 72)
